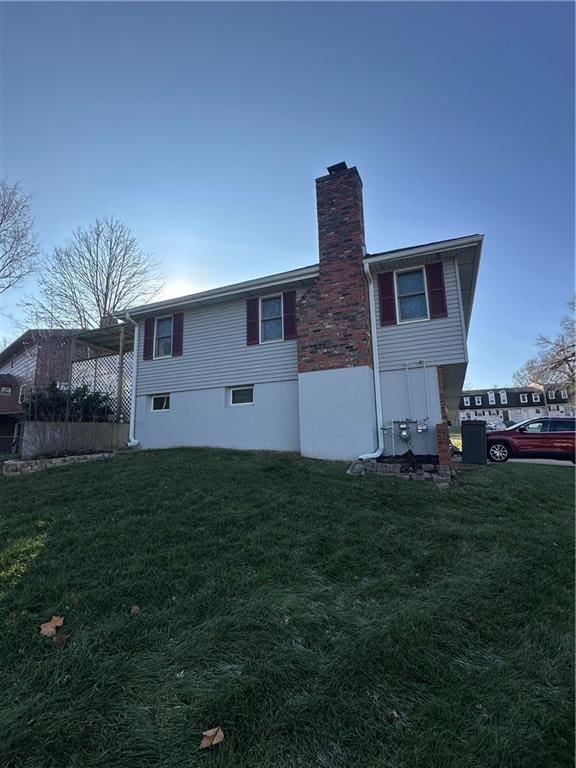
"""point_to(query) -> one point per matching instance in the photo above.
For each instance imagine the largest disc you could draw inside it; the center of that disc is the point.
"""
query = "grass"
(322, 620)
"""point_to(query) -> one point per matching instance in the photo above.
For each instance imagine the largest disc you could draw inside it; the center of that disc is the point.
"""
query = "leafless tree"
(98, 271)
(555, 362)
(18, 245)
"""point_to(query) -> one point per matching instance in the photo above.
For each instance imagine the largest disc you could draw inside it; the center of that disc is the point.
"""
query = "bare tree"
(18, 245)
(555, 362)
(98, 271)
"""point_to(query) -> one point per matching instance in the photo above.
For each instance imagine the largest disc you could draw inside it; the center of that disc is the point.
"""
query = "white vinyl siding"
(437, 342)
(23, 366)
(216, 354)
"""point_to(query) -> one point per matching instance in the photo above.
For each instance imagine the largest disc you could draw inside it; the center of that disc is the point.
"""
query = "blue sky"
(203, 126)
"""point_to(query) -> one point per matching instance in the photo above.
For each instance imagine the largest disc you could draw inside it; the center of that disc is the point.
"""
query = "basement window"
(160, 402)
(411, 295)
(242, 395)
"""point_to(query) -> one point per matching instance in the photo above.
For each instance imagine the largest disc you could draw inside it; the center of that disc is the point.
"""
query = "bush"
(54, 404)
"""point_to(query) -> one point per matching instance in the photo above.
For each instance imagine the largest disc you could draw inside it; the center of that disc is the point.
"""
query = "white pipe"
(132, 442)
(426, 390)
(409, 393)
(375, 364)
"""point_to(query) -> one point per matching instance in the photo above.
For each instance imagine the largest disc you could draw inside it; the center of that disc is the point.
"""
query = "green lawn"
(322, 620)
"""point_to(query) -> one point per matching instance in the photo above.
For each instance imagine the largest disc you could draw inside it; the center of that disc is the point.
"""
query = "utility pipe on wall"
(132, 442)
(375, 365)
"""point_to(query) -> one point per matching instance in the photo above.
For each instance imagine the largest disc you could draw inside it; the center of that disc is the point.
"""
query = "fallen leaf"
(212, 737)
(60, 639)
(48, 629)
(135, 609)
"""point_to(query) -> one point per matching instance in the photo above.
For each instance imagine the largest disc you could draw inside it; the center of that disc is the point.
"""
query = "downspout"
(132, 442)
(377, 392)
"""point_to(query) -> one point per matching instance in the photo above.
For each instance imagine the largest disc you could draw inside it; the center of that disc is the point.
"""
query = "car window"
(535, 426)
(563, 425)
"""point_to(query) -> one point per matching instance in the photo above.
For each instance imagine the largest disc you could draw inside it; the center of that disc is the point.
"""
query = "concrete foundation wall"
(46, 438)
(396, 406)
(337, 413)
(204, 417)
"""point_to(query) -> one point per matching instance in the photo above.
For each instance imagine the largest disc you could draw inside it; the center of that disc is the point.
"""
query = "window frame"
(535, 397)
(262, 319)
(525, 400)
(466, 401)
(491, 398)
(21, 393)
(551, 395)
(564, 394)
(478, 400)
(4, 393)
(160, 410)
(397, 297)
(231, 390)
(156, 319)
(503, 397)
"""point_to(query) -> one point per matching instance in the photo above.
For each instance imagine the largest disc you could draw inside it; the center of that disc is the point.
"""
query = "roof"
(246, 288)
(528, 388)
(33, 336)
(7, 378)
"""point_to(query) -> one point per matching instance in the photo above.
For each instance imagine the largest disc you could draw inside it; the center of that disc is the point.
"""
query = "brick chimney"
(333, 315)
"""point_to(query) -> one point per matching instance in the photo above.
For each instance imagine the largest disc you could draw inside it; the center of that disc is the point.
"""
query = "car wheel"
(498, 452)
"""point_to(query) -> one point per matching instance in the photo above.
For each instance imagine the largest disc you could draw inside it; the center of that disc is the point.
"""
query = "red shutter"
(148, 338)
(436, 292)
(289, 304)
(177, 333)
(252, 321)
(387, 298)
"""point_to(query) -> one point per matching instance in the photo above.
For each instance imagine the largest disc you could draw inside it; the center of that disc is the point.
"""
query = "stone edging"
(440, 476)
(17, 467)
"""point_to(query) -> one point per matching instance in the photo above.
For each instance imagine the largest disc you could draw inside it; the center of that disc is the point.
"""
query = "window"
(523, 398)
(551, 395)
(466, 401)
(535, 397)
(491, 398)
(160, 403)
(478, 400)
(503, 397)
(242, 395)
(564, 394)
(411, 296)
(271, 323)
(22, 394)
(534, 427)
(163, 337)
(563, 425)
(5, 391)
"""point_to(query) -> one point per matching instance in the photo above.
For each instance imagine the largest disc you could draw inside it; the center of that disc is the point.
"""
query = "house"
(34, 360)
(514, 404)
(358, 354)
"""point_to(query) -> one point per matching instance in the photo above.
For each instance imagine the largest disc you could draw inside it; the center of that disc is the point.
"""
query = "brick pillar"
(334, 315)
(442, 429)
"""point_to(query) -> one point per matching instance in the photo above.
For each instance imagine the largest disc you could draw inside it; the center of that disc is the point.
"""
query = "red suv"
(547, 438)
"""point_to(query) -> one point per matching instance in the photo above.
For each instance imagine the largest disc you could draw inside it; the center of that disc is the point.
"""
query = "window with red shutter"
(436, 290)
(387, 298)
(252, 321)
(177, 333)
(289, 305)
(149, 338)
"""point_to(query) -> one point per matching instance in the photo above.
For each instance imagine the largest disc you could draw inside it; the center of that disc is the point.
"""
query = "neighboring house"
(34, 360)
(356, 354)
(514, 404)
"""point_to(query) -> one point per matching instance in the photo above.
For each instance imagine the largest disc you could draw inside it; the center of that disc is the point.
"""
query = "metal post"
(70, 364)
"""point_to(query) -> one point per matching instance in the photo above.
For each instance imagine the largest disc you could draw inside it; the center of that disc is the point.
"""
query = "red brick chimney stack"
(333, 316)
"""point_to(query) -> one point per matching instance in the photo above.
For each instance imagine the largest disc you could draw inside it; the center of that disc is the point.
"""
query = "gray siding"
(437, 342)
(215, 354)
(24, 368)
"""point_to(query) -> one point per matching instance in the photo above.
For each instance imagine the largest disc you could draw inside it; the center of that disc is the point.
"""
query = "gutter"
(375, 363)
(132, 442)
